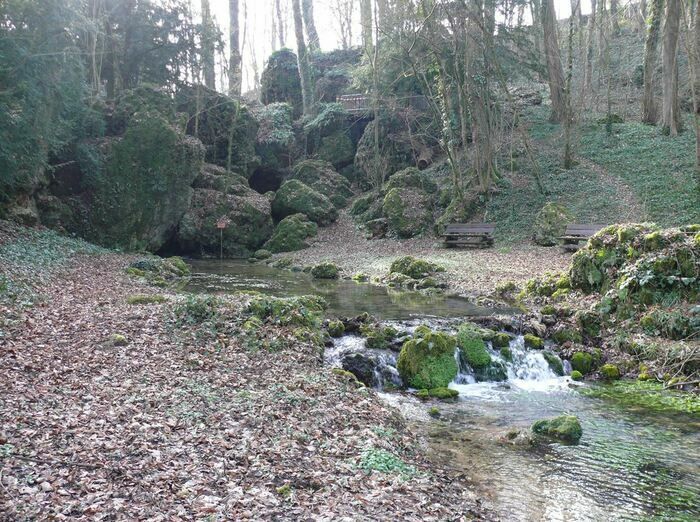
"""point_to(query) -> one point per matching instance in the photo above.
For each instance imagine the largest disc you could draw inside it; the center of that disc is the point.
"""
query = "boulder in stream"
(565, 428)
(427, 360)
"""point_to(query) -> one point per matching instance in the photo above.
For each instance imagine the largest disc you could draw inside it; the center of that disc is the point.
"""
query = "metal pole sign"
(221, 224)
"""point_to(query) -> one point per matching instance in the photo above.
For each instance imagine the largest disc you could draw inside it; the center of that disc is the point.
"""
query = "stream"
(630, 464)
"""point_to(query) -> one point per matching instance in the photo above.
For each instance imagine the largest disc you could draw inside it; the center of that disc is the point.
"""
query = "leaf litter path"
(167, 428)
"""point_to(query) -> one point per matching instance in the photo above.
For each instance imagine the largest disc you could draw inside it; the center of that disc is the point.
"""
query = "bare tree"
(310, 25)
(235, 78)
(651, 49)
(555, 72)
(303, 61)
(615, 17)
(281, 25)
(208, 51)
(343, 11)
(692, 42)
(590, 45)
(670, 111)
(366, 22)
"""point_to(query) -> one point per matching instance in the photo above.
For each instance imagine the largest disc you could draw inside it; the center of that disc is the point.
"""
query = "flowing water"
(630, 464)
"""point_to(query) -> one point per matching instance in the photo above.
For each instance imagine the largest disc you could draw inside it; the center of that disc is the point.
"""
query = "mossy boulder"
(275, 137)
(565, 428)
(427, 360)
(413, 267)
(295, 197)
(609, 372)
(245, 213)
(408, 211)
(378, 337)
(322, 177)
(139, 185)
(442, 393)
(325, 271)
(280, 81)
(567, 335)
(550, 224)
(506, 353)
(291, 234)
(411, 178)
(362, 366)
(589, 321)
(576, 375)
(262, 254)
(336, 328)
(395, 154)
(337, 149)
(303, 311)
(582, 362)
(554, 362)
(532, 341)
(473, 348)
(501, 340)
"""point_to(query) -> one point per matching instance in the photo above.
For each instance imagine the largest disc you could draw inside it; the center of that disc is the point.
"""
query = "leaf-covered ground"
(168, 424)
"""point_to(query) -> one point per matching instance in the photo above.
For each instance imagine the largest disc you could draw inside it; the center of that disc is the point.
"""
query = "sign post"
(221, 224)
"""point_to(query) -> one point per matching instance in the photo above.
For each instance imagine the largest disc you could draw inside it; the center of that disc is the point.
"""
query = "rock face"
(550, 224)
(322, 177)
(329, 136)
(139, 186)
(396, 152)
(280, 81)
(291, 234)
(295, 197)
(274, 145)
(246, 211)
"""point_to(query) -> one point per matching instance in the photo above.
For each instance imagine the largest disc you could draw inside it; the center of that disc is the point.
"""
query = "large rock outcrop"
(295, 197)
(245, 212)
(280, 81)
(322, 177)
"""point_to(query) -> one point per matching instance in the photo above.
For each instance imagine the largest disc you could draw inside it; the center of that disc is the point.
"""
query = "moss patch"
(565, 428)
(427, 361)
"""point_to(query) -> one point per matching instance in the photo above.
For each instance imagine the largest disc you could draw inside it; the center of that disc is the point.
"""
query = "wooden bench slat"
(469, 234)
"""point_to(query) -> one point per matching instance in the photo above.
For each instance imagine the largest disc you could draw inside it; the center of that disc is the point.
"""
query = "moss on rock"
(291, 234)
(408, 211)
(473, 348)
(295, 197)
(609, 372)
(322, 177)
(582, 362)
(325, 271)
(280, 80)
(427, 360)
(532, 341)
(336, 328)
(554, 362)
(576, 375)
(413, 267)
(550, 224)
(565, 428)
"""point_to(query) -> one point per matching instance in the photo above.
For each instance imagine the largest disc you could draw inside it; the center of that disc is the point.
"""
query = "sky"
(258, 45)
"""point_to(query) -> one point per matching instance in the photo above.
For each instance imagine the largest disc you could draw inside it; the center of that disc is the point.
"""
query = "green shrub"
(375, 459)
(197, 309)
(565, 335)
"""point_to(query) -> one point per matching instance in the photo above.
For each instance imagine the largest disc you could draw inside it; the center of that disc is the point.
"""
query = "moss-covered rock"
(376, 336)
(280, 81)
(291, 234)
(589, 321)
(303, 311)
(567, 335)
(442, 393)
(609, 372)
(532, 341)
(245, 213)
(427, 360)
(325, 271)
(554, 362)
(506, 353)
(501, 340)
(336, 328)
(582, 362)
(275, 137)
(139, 184)
(295, 197)
(159, 271)
(576, 375)
(322, 177)
(411, 178)
(550, 224)
(565, 428)
(413, 267)
(408, 211)
(337, 149)
(395, 154)
(118, 340)
(473, 348)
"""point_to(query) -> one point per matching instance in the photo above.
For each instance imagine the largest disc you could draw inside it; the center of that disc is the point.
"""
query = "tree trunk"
(555, 72)
(614, 17)
(576, 11)
(280, 23)
(208, 57)
(642, 15)
(383, 13)
(670, 112)
(588, 73)
(693, 45)
(303, 61)
(235, 77)
(651, 48)
(310, 24)
(569, 119)
(366, 22)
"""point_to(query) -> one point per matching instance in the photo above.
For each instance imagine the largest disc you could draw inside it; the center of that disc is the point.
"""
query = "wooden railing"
(361, 103)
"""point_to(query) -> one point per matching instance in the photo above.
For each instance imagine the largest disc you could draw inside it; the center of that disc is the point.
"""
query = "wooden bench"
(575, 233)
(479, 235)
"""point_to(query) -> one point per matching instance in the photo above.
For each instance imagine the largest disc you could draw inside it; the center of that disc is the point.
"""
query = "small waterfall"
(465, 375)
(527, 365)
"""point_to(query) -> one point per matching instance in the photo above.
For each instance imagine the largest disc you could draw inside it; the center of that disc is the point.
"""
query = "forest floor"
(472, 272)
(163, 424)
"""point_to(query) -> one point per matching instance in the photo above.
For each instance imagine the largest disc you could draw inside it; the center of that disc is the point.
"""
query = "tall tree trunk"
(642, 15)
(310, 25)
(281, 26)
(590, 44)
(693, 45)
(651, 49)
(569, 119)
(555, 72)
(670, 112)
(208, 57)
(303, 61)
(366, 23)
(235, 76)
(576, 11)
(614, 17)
(383, 15)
